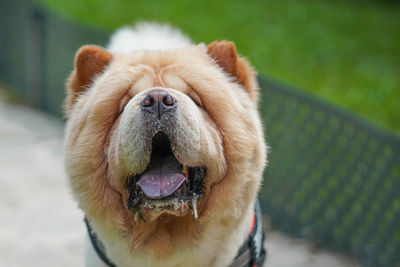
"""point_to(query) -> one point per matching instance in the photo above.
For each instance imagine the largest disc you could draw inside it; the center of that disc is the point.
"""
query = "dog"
(164, 149)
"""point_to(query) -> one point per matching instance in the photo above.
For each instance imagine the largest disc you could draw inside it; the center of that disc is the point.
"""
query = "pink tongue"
(160, 186)
(162, 179)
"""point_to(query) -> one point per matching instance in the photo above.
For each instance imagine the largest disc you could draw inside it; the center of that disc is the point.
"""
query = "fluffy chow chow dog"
(164, 148)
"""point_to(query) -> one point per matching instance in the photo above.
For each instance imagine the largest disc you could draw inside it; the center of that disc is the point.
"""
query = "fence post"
(34, 58)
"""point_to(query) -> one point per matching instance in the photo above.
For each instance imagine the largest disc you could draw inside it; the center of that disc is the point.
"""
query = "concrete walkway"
(40, 224)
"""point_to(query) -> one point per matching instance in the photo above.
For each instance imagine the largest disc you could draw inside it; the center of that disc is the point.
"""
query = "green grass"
(347, 52)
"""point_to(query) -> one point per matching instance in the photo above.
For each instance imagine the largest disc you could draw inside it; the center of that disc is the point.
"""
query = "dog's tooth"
(185, 171)
(136, 217)
(194, 204)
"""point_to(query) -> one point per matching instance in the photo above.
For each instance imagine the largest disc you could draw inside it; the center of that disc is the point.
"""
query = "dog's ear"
(225, 55)
(90, 60)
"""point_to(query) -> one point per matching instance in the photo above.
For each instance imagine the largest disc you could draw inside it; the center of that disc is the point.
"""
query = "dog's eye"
(197, 103)
(123, 102)
(196, 100)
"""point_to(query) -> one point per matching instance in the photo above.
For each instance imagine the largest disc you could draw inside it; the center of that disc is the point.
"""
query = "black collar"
(250, 254)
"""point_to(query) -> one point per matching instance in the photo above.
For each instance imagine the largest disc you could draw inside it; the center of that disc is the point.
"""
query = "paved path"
(40, 224)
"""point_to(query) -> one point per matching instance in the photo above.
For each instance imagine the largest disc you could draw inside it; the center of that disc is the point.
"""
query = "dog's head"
(156, 140)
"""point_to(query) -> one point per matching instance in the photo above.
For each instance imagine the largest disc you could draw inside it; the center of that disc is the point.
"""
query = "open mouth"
(166, 186)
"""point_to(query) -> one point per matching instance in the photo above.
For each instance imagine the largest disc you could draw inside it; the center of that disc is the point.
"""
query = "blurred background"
(330, 82)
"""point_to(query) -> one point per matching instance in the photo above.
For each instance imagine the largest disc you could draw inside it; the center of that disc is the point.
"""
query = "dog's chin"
(162, 209)
(166, 187)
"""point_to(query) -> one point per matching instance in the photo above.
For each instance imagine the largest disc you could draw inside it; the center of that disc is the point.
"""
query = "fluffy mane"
(147, 36)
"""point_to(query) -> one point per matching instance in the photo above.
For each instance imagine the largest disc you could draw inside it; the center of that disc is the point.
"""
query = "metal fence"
(332, 177)
(37, 50)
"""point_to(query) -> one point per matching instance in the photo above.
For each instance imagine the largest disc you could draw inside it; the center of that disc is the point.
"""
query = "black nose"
(158, 102)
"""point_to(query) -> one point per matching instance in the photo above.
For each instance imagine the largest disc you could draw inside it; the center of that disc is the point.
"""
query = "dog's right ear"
(90, 60)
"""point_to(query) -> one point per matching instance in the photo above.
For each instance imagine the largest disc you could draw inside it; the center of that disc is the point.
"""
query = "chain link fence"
(37, 51)
(332, 177)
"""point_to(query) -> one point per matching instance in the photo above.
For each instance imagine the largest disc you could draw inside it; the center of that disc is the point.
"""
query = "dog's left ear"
(225, 55)
(90, 60)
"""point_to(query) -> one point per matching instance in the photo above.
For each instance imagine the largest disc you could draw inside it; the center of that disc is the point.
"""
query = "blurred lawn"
(345, 51)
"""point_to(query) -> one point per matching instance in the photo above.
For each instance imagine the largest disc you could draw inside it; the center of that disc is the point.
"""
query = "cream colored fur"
(225, 135)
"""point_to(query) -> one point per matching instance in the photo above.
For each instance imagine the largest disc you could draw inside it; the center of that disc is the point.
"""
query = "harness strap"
(242, 260)
(250, 254)
(98, 246)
